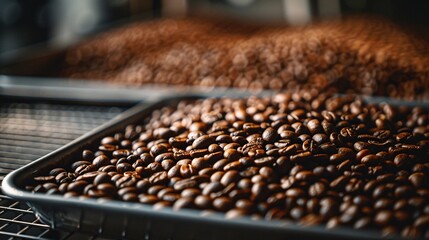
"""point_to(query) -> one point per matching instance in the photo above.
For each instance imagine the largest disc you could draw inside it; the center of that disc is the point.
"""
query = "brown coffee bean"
(183, 203)
(159, 178)
(418, 179)
(230, 177)
(317, 189)
(422, 222)
(410, 232)
(306, 176)
(77, 186)
(328, 207)
(383, 218)
(203, 142)
(295, 193)
(187, 170)
(107, 188)
(147, 199)
(301, 157)
(190, 192)
(371, 160)
(185, 183)
(199, 163)
(362, 223)
(212, 187)
(339, 183)
(265, 161)
(203, 202)
(222, 204)
(270, 135)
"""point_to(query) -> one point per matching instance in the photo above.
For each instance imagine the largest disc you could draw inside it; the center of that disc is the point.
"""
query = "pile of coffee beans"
(306, 157)
(361, 55)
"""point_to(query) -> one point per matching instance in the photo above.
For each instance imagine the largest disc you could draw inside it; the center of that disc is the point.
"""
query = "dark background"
(60, 23)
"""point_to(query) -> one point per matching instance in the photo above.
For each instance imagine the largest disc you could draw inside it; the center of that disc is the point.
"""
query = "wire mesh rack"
(28, 131)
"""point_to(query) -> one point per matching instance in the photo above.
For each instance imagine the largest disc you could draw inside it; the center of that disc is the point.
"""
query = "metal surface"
(135, 221)
(28, 131)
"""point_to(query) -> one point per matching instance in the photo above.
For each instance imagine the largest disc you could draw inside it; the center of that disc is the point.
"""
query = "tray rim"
(12, 189)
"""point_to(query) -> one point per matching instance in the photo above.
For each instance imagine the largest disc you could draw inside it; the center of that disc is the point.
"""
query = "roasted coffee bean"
(89, 176)
(200, 163)
(101, 161)
(190, 192)
(147, 199)
(77, 164)
(268, 173)
(212, 188)
(301, 157)
(167, 164)
(174, 171)
(121, 153)
(143, 185)
(418, 179)
(184, 184)
(270, 135)
(107, 188)
(362, 223)
(124, 167)
(154, 189)
(222, 204)
(328, 207)
(153, 167)
(339, 183)
(158, 149)
(203, 142)
(159, 178)
(306, 176)
(217, 176)
(163, 192)
(87, 155)
(235, 213)
(47, 178)
(125, 181)
(317, 189)
(214, 148)
(231, 155)
(295, 193)
(383, 218)
(265, 161)
(183, 203)
(187, 170)
(230, 177)
(236, 165)
(203, 202)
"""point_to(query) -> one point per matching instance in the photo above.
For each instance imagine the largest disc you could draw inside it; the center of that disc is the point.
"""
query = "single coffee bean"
(203, 202)
(203, 142)
(383, 218)
(107, 188)
(159, 178)
(317, 189)
(187, 170)
(270, 135)
(183, 203)
(418, 179)
(230, 177)
(190, 193)
(147, 199)
(184, 184)
(222, 204)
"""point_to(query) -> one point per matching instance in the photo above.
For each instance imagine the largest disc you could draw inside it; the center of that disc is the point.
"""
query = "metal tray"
(118, 219)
